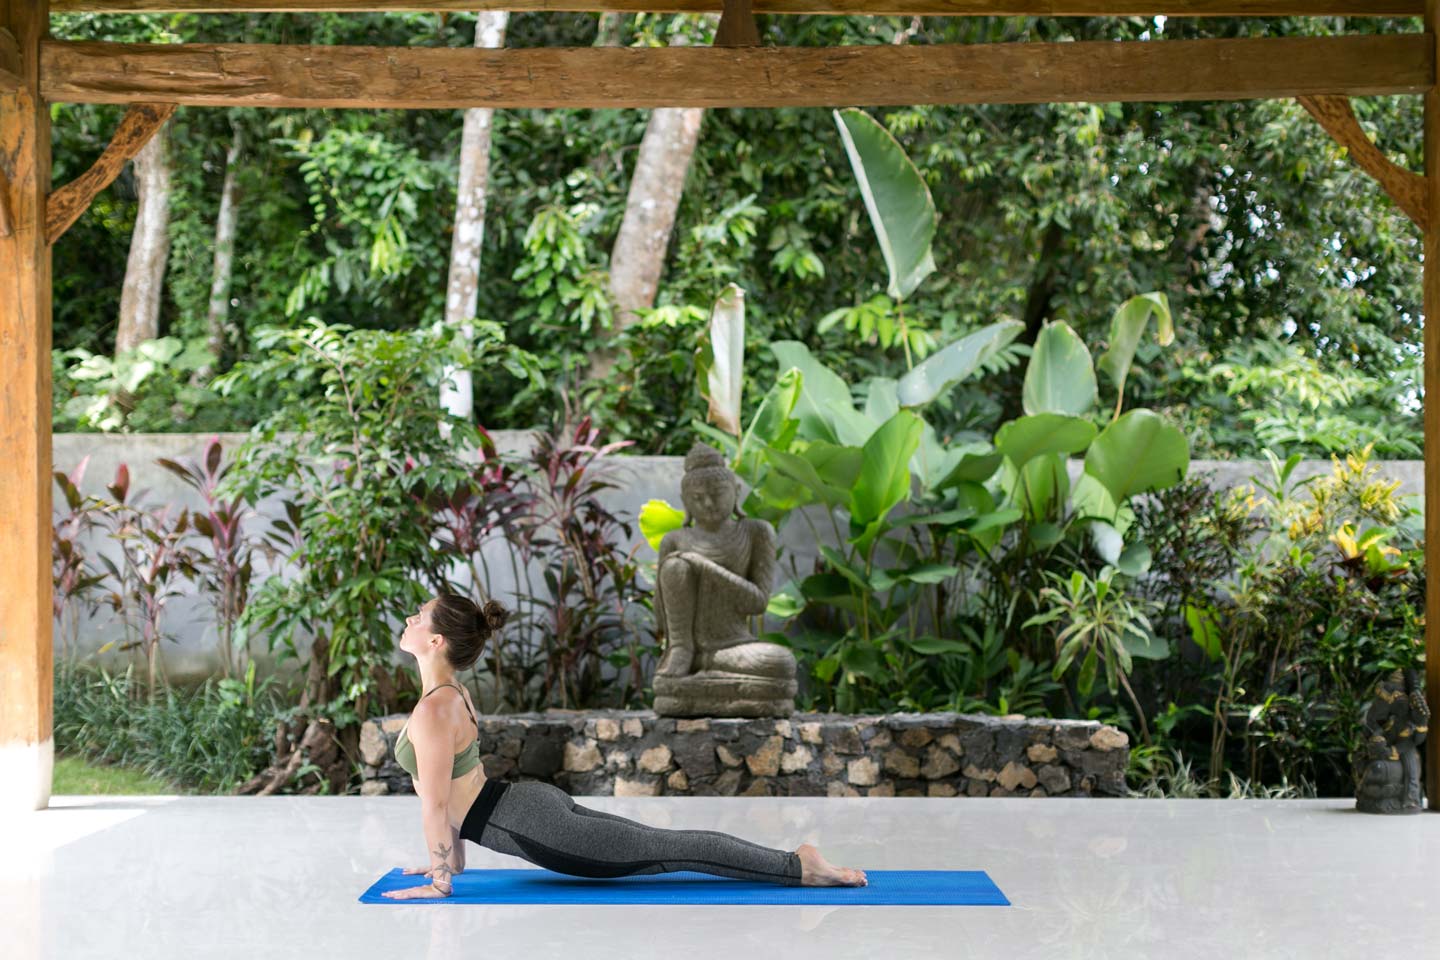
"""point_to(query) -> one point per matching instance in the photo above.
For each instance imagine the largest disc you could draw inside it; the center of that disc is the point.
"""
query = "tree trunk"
(639, 252)
(149, 247)
(223, 269)
(470, 196)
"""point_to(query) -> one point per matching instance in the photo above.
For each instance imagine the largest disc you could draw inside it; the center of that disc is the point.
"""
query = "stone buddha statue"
(711, 578)
(1388, 770)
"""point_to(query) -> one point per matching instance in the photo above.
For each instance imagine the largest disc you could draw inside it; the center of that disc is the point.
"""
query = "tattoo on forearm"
(443, 871)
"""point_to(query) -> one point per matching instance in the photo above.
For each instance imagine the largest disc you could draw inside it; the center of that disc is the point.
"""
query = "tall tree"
(149, 246)
(471, 195)
(638, 256)
(224, 268)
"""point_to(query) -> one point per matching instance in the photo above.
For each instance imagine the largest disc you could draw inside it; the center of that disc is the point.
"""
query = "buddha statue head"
(709, 489)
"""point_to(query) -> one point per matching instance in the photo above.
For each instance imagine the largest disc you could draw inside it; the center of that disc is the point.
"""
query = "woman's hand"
(427, 870)
(416, 893)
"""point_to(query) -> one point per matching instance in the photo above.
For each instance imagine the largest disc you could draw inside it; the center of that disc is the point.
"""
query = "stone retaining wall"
(636, 753)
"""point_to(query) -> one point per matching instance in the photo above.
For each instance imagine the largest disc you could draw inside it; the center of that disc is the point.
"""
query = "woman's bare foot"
(816, 871)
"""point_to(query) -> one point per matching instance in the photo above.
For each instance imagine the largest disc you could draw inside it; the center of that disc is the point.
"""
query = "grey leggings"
(539, 822)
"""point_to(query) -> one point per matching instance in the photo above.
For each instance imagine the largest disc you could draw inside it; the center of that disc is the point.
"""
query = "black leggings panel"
(538, 822)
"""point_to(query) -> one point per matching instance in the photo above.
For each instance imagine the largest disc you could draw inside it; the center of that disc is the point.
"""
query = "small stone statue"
(711, 577)
(1387, 770)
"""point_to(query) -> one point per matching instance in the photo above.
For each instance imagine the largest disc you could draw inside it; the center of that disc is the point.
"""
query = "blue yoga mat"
(927, 887)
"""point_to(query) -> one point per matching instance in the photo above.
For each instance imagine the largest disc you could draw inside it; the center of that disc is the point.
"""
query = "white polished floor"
(278, 877)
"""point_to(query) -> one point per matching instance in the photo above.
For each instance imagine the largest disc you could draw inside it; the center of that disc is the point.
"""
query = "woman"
(534, 820)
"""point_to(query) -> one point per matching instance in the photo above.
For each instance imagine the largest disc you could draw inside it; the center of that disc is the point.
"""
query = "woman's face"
(417, 628)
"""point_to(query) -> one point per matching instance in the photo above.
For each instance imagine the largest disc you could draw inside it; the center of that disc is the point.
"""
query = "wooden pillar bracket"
(64, 206)
(11, 71)
(1405, 187)
(737, 26)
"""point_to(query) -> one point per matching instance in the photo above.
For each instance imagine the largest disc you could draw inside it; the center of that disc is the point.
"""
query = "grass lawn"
(79, 775)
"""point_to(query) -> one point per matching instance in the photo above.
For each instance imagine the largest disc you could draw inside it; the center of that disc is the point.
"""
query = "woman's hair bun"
(493, 615)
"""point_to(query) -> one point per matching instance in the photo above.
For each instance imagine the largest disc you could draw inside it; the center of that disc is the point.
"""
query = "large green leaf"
(884, 478)
(1059, 377)
(720, 359)
(896, 197)
(881, 401)
(1026, 437)
(772, 424)
(1040, 487)
(1126, 326)
(657, 518)
(826, 470)
(955, 362)
(825, 409)
(1136, 453)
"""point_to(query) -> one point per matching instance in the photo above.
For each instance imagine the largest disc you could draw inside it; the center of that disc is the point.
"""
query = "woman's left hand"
(429, 891)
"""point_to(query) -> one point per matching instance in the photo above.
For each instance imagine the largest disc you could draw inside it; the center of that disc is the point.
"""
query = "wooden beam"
(1405, 187)
(27, 616)
(139, 124)
(1430, 285)
(257, 75)
(923, 8)
(737, 26)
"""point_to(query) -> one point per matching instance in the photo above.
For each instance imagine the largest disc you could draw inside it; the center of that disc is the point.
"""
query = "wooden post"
(1431, 285)
(27, 750)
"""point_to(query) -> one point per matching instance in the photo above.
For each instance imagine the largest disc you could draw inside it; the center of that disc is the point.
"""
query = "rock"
(511, 747)
(759, 787)
(632, 727)
(797, 759)
(726, 756)
(765, 762)
(607, 729)
(678, 781)
(1108, 738)
(375, 749)
(999, 791)
(582, 757)
(783, 728)
(833, 789)
(727, 783)
(881, 790)
(862, 771)
(1040, 753)
(976, 788)
(900, 763)
(618, 760)
(374, 788)
(974, 773)
(656, 759)
(952, 743)
(847, 740)
(1014, 775)
(916, 737)
(831, 764)
(941, 790)
(938, 763)
(911, 793)
(1055, 780)
(1039, 792)
(810, 732)
(636, 788)
(697, 725)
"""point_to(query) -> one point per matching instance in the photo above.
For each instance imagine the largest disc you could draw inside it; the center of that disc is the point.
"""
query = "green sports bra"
(465, 760)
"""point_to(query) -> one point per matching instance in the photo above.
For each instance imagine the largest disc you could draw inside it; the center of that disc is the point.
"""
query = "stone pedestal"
(711, 692)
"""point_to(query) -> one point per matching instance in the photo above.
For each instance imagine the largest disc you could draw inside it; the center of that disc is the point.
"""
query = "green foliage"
(365, 445)
(208, 740)
(1297, 597)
